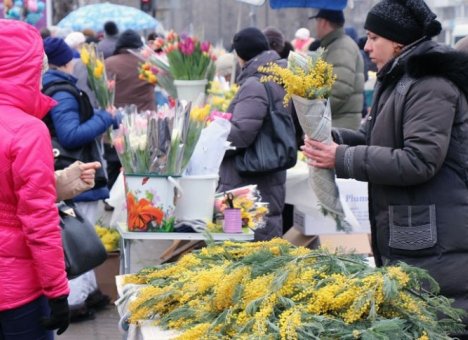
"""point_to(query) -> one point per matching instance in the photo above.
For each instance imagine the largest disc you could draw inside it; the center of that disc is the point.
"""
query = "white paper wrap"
(210, 149)
(315, 119)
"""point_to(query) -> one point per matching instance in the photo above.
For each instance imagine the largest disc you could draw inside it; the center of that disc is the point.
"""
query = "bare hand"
(320, 155)
(112, 110)
(88, 172)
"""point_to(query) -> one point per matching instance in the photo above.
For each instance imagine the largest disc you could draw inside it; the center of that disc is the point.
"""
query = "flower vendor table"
(128, 237)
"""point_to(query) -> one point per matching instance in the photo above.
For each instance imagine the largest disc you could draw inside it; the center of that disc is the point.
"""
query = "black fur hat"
(402, 21)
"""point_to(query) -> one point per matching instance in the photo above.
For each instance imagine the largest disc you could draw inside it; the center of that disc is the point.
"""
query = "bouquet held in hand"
(103, 88)
(308, 81)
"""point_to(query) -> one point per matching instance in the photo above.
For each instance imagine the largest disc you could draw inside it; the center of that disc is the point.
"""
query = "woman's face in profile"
(380, 50)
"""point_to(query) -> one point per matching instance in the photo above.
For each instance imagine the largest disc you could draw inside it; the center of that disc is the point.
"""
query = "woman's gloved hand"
(59, 315)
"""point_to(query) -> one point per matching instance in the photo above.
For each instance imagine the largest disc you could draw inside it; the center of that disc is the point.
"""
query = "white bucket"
(151, 201)
(189, 90)
(197, 198)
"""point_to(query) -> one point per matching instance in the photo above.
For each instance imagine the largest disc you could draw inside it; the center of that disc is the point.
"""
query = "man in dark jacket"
(347, 96)
(249, 108)
(413, 147)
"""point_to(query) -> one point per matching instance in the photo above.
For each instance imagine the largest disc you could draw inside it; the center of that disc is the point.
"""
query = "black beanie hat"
(402, 21)
(249, 43)
(128, 39)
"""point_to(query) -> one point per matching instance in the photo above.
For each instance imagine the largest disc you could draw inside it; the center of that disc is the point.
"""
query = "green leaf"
(253, 306)
(390, 288)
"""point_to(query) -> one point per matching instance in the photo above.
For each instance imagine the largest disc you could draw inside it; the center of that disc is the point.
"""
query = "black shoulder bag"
(274, 148)
(82, 246)
(88, 153)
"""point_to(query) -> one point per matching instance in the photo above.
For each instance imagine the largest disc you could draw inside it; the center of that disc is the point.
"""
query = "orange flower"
(141, 213)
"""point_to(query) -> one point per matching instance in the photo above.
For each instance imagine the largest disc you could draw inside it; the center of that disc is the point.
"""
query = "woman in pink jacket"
(33, 283)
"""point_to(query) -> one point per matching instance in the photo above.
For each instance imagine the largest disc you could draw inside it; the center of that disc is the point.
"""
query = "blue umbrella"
(319, 4)
(94, 17)
(322, 4)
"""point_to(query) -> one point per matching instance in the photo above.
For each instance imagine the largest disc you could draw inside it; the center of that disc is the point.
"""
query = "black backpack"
(87, 153)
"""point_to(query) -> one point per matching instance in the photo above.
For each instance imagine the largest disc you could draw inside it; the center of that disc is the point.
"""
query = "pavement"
(103, 327)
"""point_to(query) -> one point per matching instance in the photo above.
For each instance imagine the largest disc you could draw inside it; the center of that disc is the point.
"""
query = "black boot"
(97, 301)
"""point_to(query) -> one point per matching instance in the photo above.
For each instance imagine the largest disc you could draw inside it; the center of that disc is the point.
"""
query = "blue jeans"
(24, 323)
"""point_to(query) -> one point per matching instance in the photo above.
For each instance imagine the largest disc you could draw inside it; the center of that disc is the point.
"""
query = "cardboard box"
(106, 273)
(358, 243)
(311, 221)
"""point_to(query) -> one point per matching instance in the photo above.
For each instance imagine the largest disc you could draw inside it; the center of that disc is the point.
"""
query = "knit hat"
(57, 50)
(249, 43)
(74, 39)
(402, 21)
(336, 17)
(128, 39)
(275, 38)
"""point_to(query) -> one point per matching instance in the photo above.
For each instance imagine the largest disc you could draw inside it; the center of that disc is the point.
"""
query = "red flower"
(141, 213)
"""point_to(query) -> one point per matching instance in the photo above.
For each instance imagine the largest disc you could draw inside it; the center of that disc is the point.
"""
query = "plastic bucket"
(189, 90)
(197, 198)
(151, 201)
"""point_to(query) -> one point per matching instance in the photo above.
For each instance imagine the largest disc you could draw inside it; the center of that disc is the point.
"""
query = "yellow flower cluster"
(200, 114)
(102, 87)
(311, 80)
(98, 69)
(146, 73)
(278, 291)
(109, 237)
(221, 97)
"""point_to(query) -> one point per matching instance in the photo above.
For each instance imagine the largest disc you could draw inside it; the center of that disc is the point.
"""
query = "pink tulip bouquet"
(189, 58)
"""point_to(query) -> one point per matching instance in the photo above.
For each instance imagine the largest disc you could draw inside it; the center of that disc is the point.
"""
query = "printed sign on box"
(353, 195)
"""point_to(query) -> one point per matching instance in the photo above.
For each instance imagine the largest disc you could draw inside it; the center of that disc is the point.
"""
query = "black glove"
(59, 315)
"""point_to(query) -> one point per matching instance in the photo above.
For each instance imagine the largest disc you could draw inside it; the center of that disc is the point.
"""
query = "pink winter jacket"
(31, 255)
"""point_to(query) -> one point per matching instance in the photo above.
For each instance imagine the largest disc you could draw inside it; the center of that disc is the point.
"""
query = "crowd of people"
(411, 147)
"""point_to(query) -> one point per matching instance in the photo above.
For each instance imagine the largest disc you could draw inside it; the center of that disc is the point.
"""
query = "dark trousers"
(24, 323)
(113, 164)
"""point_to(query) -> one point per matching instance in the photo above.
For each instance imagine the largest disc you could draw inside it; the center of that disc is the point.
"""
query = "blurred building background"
(218, 20)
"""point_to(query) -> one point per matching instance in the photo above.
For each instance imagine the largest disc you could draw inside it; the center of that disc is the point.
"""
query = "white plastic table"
(128, 237)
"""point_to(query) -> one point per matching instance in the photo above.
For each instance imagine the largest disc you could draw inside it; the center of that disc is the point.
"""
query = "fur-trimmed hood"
(440, 61)
(428, 58)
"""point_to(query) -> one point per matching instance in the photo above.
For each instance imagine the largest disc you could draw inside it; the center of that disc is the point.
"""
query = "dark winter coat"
(415, 158)
(70, 132)
(249, 108)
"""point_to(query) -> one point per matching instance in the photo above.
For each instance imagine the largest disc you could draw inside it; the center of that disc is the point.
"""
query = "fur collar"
(449, 64)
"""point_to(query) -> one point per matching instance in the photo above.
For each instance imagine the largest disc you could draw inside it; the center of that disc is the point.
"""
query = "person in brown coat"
(123, 67)
(129, 89)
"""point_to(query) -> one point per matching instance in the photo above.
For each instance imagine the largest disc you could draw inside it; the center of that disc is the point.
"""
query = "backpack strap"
(86, 109)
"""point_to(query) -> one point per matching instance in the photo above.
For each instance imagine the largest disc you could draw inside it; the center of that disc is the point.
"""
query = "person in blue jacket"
(65, 116)
(72, 132)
